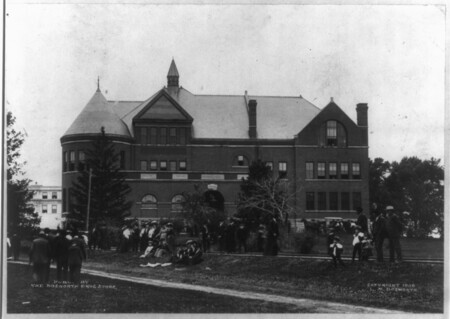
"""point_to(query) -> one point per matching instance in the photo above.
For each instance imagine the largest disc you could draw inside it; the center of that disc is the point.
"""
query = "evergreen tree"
(108, 189)
(20, 214)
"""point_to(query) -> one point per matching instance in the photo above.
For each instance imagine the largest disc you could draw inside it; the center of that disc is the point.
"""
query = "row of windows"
(45, 195)
(161, 135)
(71, 164)
(150, 202)
(332, 200)
(173, 165)
(333, 170)
(45, 209)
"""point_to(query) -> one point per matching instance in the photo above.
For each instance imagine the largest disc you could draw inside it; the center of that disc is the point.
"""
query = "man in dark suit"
(62, 255)
(394, 229)
(379, 234)
(362, 220)
(77, 254)
(40, 256)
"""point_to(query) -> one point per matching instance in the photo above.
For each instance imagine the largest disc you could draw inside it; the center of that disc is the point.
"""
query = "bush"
(304, 242)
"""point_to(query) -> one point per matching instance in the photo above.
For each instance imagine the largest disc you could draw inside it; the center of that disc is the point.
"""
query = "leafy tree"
(20, 214)
(261, 196)
(379, 171)
(416, 186)
(108, 188)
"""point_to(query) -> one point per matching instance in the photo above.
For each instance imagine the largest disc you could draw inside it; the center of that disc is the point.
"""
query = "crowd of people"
(65, 248)
(369, 233)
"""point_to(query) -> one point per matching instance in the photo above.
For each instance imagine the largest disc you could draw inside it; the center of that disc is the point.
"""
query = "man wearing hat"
(394, 231)
(40, 255)
(379, 234)
(362, 220)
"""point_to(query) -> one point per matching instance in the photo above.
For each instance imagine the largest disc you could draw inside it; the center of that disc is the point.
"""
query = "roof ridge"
(114, 101)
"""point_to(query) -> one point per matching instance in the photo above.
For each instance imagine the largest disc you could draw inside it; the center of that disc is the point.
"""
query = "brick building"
(176, 139)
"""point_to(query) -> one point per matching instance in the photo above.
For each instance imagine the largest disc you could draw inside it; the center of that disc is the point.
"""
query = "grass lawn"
(115, 296)
(412, 287)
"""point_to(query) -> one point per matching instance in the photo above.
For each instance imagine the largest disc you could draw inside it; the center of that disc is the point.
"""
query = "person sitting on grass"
(336, 249)
(151, 249)
(190, 255)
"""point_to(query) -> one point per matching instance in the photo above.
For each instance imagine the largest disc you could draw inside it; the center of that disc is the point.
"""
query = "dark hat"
(154, 222)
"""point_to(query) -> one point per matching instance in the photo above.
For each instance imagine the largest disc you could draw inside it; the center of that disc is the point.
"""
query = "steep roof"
(98, 113)
(173, 69)
(226, 116)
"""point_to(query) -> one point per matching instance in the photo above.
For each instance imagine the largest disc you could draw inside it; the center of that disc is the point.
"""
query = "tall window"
(44, 209)
(321, 170)
(143, 135)
(182, 165)
(163, 165)
(149, 202)
(310, 201)
(122, 160)
(345, 200)
(54, 195)
(282, 169)
(356, 196)
(44, 195)
(334, 201)
(144, 165)
(153, 165)
(332, 173)
(153, 136)
(322, 200)
(331, 133)
(344, 170)
(240, 160)
(177, 203)
(270, 164)
(182, 135)
(81, 160)
(356, 173)
(173, 135)
(309, 170)
(65, 161)
(163, 135)
(54, 209)
(72, 161)
(173, 165)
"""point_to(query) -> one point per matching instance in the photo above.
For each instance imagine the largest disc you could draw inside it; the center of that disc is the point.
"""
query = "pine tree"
(108, 189)
(20, 214)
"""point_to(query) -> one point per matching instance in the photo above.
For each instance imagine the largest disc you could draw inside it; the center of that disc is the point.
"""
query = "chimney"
(361, 114)
(252, 118)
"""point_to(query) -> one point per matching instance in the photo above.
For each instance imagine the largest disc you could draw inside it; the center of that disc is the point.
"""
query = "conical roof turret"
(97, 114)
(173, 76)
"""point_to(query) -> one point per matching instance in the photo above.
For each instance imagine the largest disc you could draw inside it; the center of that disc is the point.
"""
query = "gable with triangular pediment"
(163, 109)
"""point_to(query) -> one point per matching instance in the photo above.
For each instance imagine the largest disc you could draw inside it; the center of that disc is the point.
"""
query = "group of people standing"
(66, 249)
(383, 225)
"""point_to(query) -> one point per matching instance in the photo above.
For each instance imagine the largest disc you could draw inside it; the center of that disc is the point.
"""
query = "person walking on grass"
(40, 256)
(76, 255)
(394, 230)
(62, 245)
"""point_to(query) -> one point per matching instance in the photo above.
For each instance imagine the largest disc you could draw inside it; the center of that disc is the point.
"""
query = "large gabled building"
(176, 139)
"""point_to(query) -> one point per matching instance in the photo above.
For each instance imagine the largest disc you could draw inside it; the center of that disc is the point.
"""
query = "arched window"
(240, 160)
(333, 134)
(177, 203)
(149, 202)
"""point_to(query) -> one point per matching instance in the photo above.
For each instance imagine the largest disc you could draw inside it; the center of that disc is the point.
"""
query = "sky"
(389, 56)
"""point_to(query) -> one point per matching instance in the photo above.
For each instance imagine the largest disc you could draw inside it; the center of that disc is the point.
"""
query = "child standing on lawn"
(357, 243)
(336, 249)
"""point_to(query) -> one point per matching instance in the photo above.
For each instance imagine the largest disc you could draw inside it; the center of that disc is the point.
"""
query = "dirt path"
(310, 306)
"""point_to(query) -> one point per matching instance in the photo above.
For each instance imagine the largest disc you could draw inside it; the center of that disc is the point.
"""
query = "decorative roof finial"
(98, 84)
(332, 100)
